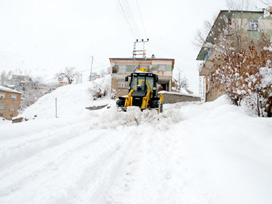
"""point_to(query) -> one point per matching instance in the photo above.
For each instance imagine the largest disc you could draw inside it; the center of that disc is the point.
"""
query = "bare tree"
(237, 5)
(70, 74)
(3, 77)
(180, 81)
(200, 34)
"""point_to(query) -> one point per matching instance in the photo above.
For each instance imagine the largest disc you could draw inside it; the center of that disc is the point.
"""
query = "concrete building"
(121, 67)
(10, 101)
(252, 25)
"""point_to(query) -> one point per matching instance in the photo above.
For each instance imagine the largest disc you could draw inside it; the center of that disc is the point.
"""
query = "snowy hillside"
(193, 153)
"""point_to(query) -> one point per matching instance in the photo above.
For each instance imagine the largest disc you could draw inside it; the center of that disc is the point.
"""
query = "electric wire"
(127, 20)
(131, 18)
(182, 64)
(141, 18)
(133, 27)
(169, 51)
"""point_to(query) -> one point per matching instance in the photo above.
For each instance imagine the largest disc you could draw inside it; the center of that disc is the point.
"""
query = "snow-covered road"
(192, 153)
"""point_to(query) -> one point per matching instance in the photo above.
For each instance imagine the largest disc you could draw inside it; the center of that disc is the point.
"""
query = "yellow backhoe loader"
(142, 92)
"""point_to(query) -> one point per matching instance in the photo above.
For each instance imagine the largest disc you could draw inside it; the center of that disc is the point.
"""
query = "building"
(10, 101)
(22, 82)
(228, 26)
(121, 67)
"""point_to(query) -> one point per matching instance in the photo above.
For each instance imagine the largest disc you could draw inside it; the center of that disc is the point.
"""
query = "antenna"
(140, 52)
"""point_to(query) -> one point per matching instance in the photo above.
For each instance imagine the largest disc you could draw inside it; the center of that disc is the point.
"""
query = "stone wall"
(213, 94)
(169, 97)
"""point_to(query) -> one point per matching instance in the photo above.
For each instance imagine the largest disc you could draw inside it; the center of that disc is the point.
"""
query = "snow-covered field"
(193, 153)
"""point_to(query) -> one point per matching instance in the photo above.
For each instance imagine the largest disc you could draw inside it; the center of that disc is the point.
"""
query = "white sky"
(45, 36)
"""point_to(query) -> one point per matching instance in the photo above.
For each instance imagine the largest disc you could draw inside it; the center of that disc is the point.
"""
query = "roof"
(2, 88)
(143, 59)
(210, 37)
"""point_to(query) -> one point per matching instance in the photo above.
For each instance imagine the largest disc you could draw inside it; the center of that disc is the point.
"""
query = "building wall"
(213, 94)
(7, 103)
(115, 89)
(123, 67)
(240, 21)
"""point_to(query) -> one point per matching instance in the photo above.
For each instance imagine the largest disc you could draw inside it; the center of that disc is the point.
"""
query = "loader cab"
(141, 82)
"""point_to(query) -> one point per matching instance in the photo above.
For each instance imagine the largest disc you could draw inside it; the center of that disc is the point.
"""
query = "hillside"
(212, 153)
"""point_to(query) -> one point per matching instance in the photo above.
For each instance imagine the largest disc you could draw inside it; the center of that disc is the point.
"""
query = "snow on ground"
(193, 153)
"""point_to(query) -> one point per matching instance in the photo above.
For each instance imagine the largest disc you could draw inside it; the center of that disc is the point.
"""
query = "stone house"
(121, 67)
(10, 101)
(252, 24)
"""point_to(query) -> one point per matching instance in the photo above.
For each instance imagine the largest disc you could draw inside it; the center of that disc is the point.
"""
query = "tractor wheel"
(120, 102)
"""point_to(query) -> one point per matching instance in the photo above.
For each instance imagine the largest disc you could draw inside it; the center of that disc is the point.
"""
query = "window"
(162, 67)
(253, 24)
(149, 83)
(13, 97)
(2, 107)
(11, 115)
(122, 84)
(11, 108)
(1, 114)
(2, 96)
(122, 68)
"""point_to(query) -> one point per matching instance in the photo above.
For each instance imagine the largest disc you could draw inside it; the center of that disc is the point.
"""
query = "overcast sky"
(45, 36)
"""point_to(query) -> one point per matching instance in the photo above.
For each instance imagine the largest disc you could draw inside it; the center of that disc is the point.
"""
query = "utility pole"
(91, 69)
(56, 107)
(139, 52)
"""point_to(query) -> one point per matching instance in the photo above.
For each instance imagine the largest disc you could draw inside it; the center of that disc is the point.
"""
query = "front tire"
(120, 102)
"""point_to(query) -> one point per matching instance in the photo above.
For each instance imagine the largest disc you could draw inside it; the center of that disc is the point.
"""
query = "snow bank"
(113, 118)
(69, 101)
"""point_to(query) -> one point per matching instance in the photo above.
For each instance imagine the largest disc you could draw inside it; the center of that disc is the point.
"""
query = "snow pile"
(100, 87)
(113, 118)
(68, 101)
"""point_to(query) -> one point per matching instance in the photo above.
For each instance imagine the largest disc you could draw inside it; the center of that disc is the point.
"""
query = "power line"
(128, 14)
(167, 50)
(141, 18)
(127, 20)
(131, 17)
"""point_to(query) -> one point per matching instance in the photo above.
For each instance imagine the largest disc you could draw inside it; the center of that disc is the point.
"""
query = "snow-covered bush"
(100, 87)
(245, 74)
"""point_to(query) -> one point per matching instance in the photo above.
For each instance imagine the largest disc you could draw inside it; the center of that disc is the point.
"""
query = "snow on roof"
(2, 88)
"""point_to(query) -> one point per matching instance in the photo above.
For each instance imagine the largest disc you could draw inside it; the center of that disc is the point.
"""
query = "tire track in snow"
(95, 191)
(34, 144)
(123, 182)
(24, 173)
